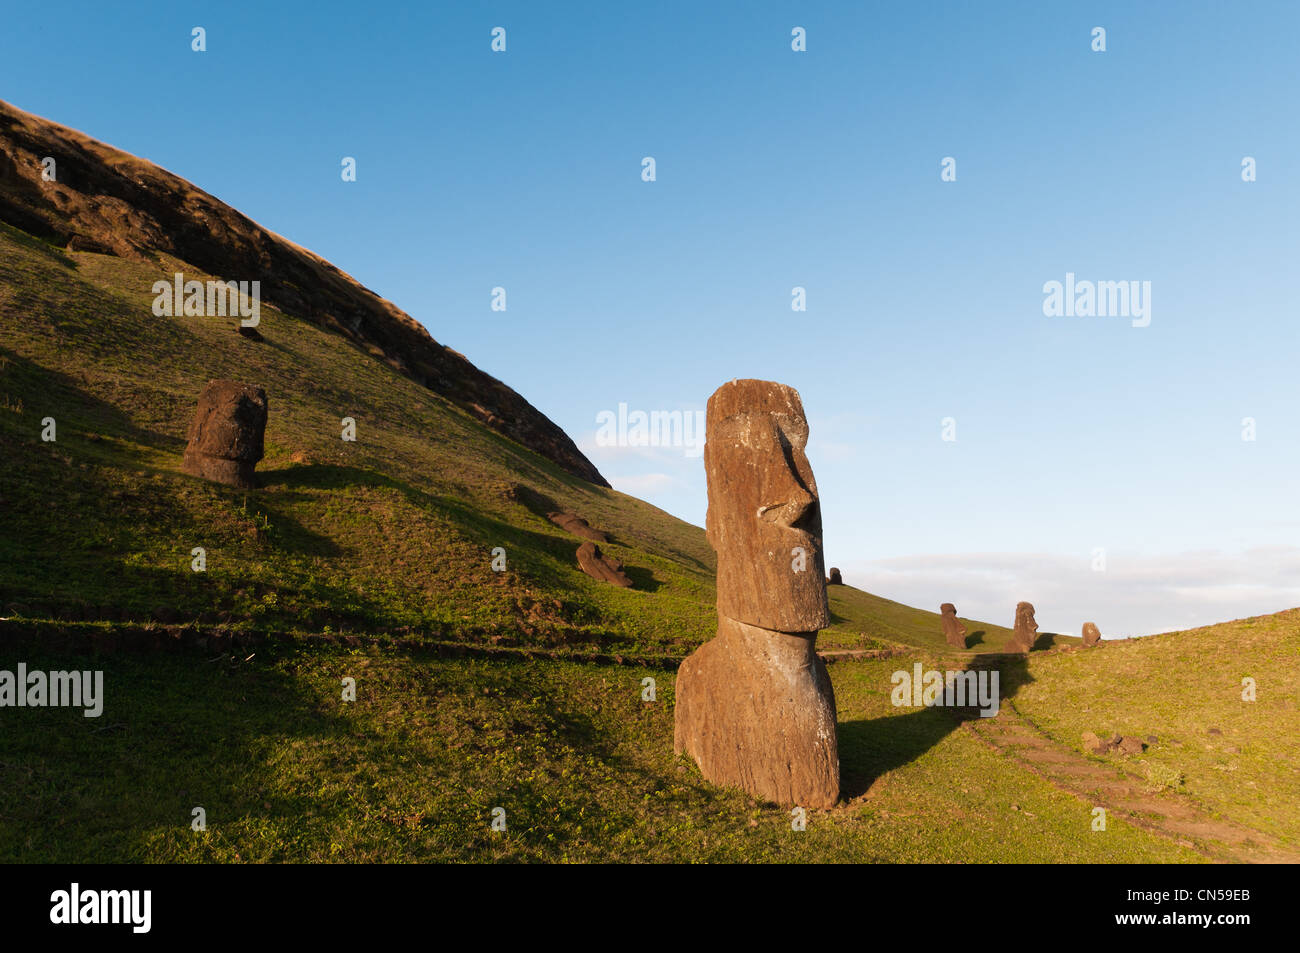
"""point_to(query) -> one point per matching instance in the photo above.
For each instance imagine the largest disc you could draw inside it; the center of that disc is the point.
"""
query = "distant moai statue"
(598, 565)
(755, 707)
(225, 438)
(834, 579)
(953, 631)
(1025, 632)
(1091, 634)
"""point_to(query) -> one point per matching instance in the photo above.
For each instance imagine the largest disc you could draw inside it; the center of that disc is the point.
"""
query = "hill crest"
(107, 201)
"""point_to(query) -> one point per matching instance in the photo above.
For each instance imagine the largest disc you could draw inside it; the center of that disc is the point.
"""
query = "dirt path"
(1100, 784)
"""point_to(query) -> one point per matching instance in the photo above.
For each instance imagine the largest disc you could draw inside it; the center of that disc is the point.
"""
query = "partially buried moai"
(1091, 634)
(755, 707)
(953, 631)
(1025, 632)
(225, 438)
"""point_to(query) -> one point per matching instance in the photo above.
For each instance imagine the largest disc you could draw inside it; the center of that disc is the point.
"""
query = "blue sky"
(818, 169)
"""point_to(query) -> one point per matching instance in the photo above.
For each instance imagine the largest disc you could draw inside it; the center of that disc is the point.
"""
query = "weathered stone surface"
(225, 438)
(1093, 744)
(834, 579)
(755, 707)
(756, 710)
(1025, 631)
(1131, 746)
(1091, 634)
(763, 513)
(953, 631)
(577, 526)
(599, 566)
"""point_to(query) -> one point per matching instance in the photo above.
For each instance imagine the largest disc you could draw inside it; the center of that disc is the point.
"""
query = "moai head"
(764, 520)
(953, 630)
(226, 434)
(1026, 626)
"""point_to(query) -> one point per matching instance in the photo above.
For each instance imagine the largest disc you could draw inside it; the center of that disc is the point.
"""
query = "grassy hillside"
(855, 611)
(390, 537)
(391, 533)
(412, 770)
(1181, 692)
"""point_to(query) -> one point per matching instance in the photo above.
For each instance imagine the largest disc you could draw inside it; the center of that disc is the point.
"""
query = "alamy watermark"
(682, 429)
(73, 906)
(965, 689)
(212, 299)
(24, 689)
(1102, 299)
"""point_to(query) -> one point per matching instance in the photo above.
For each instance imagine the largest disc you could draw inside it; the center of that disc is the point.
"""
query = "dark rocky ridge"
(110, 202)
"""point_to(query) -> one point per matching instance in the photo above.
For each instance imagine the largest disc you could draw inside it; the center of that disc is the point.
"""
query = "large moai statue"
(953, 631)
(755, 707)
(1026, 629)
(225, 438)
(1091, 634)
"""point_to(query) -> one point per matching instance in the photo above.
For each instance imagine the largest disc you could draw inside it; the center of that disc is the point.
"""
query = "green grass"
(391, 536)
(1238, 759)
(392, 533)
(411, 771)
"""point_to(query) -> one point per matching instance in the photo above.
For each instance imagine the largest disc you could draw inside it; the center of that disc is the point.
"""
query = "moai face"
(764, 520)
(1025, 618)
(226, 435)
(235, 422)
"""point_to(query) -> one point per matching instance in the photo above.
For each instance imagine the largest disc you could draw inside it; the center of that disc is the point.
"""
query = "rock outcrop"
(1115, 744)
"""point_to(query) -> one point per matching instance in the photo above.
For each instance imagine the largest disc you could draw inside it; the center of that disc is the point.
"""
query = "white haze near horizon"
(1139, 592)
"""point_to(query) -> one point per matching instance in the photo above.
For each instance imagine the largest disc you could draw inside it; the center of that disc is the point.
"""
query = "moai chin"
(755, 707)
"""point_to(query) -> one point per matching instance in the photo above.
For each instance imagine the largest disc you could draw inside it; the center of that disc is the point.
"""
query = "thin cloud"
(1133, 595)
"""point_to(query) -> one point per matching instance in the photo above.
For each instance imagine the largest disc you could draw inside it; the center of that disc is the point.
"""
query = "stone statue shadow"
(187, 744)
(541, 506)
(1049, 640)
(643, 579)
(281, 530)
(872, 747)
(44, 391)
